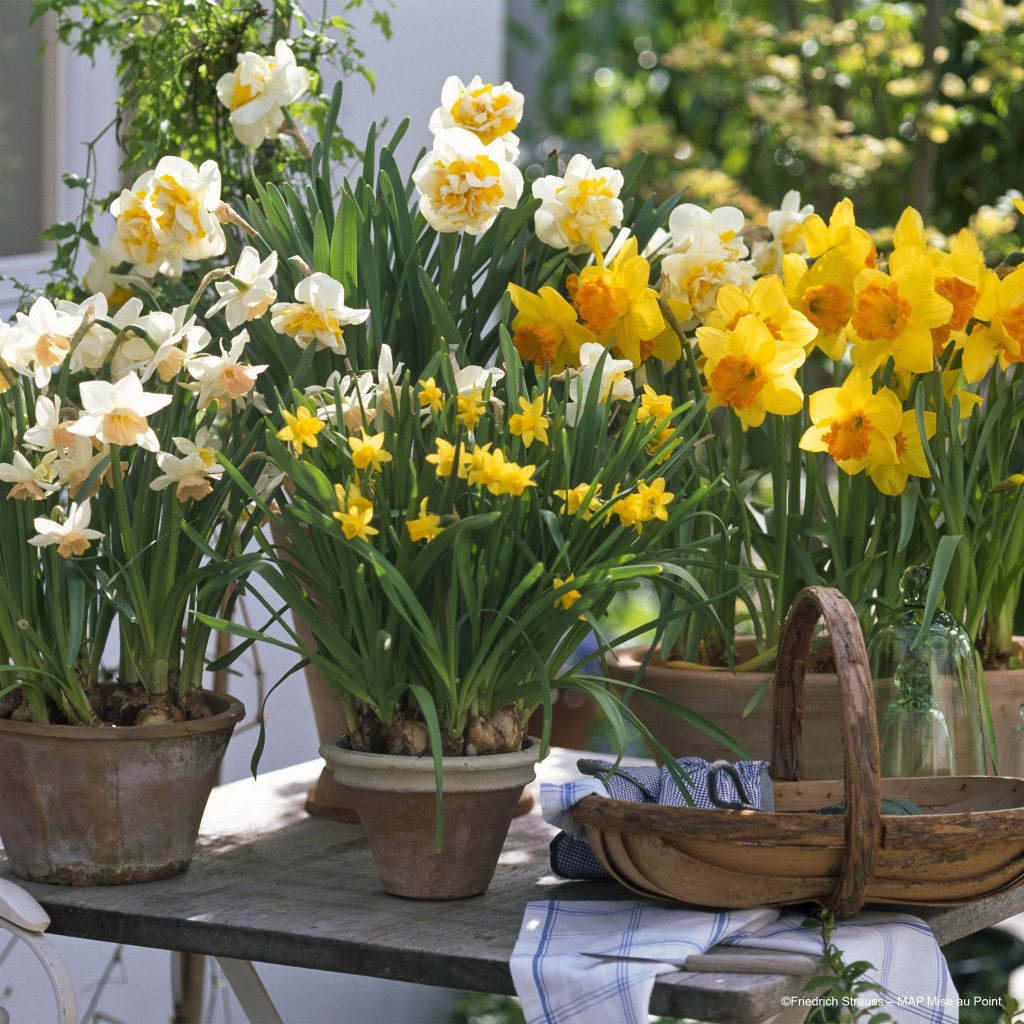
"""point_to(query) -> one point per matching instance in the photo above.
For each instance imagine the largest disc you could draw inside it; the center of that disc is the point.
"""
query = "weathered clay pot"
(395, 799)
(722, 697)
(103, 805)
(1005, 696)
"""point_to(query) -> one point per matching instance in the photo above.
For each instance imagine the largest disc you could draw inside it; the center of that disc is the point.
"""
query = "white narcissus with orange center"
(117, 413)
(72, 536)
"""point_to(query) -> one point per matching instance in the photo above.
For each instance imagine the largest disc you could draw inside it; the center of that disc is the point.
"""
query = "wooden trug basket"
(969, 843)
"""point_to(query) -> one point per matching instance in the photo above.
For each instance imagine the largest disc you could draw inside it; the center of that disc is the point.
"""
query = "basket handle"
(860, 732)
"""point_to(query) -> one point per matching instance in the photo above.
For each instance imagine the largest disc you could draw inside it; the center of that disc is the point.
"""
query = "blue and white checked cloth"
(558, 983)
(571, 856)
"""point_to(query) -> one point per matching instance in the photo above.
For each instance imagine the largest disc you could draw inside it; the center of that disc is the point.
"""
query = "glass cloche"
(928, 692)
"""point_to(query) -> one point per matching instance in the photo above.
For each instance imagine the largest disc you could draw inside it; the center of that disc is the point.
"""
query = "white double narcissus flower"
(224, 378)
(193, 475)
(72, 537)
(29, 482)
(580, 211)
(318, 314)
(42, 341)
(176, 342)
(464, 184)
(168, 216)
(614, 385)
(259, 89)
(705, 252)
(490, 112)
(116, 413)
(249, 292)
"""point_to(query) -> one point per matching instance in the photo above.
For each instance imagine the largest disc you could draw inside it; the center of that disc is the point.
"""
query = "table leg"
(249, 990)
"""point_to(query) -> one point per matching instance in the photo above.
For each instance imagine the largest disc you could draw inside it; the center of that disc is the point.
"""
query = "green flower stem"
(133, 574)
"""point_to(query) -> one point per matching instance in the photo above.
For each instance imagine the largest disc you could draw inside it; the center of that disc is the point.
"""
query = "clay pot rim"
(231, 712)
(403, 773)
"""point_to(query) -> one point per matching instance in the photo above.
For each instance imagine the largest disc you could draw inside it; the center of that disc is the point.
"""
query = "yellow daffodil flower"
(469, 409)
(430, 395)
(959, 273)
(368, 452)
(1001, 334)
(514, 479)
(766, 299)
(751, 372)
(823, 292)
(655, 499)
(574, 497)
(631, 511)
(910, 457)
(894, 314)
(443, 457)
(301, 429)
(951, 388)
(842, 233)
(546, 330)
(617, 303)
(425, 526)
(853, 424)
(568, 598)
(654, 406)
(530, 424)
(355, 513)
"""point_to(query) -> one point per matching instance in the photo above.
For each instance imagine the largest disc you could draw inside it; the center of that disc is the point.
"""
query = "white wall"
(432, 39)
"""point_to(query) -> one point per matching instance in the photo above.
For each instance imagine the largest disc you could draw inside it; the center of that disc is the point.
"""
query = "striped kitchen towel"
(560, 981)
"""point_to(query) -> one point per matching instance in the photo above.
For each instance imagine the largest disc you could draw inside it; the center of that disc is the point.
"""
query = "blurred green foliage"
(737, 101)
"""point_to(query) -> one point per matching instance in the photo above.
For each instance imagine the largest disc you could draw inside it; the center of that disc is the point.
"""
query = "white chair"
(22, 916)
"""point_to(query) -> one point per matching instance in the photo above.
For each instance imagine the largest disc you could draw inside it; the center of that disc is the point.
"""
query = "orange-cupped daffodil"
(546, 330)
(910, 457)
(1000, 335)
(856, 426)
(750, 371)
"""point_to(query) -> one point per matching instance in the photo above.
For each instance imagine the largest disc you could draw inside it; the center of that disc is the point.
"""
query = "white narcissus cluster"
(464, 183)
(318, 314)
(491, 112)
(705, 251)
(786, 225)
(259, 89)
(169, 216)
(580, 211)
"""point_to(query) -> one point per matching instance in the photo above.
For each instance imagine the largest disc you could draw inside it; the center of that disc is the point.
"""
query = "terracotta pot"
(1005, 696)
(722, 697)
(101, 805)
(395, 799)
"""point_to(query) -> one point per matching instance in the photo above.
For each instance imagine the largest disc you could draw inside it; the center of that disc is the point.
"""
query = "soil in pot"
(104, 805)
(395, 798)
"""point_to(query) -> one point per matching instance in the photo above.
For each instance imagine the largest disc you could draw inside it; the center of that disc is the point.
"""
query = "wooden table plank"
(269, 883)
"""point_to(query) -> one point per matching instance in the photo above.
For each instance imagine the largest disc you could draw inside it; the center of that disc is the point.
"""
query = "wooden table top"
(270, 883)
